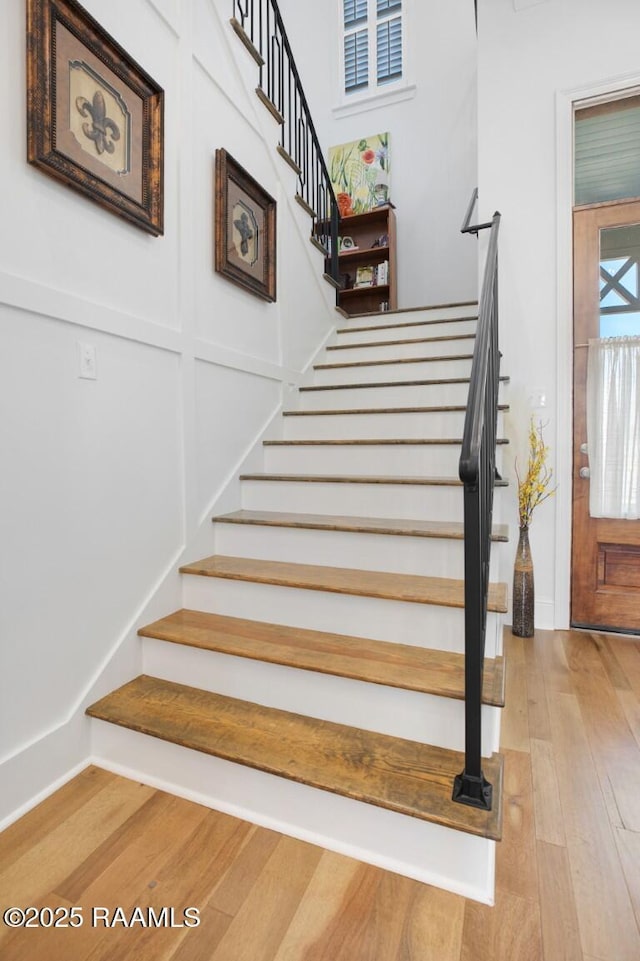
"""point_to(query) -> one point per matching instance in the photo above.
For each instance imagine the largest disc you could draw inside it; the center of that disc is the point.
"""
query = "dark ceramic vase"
(523, 594)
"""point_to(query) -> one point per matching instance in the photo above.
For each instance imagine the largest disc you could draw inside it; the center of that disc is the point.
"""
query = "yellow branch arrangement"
(534, 487)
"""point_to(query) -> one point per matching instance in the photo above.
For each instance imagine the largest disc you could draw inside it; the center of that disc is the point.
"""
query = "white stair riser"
(407, 501)
(384, 351)
(430, 853)
(374, 707)
(419, 460)
(420, 395)
(381, 373)
(425, 625)
(428, 556)
(398, 332)
(427, 425)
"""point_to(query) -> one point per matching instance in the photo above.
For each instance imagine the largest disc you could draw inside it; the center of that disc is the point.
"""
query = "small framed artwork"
(245, 229)
(364, 277)
(94, 117)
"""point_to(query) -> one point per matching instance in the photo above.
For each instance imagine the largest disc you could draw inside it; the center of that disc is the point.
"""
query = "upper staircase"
(316, 672)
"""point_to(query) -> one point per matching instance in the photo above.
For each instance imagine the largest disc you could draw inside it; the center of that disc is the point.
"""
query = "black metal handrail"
(477, 471)
(467, 227)
(262, 24)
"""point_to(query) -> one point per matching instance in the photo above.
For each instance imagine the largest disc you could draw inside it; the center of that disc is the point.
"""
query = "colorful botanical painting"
(359, 173)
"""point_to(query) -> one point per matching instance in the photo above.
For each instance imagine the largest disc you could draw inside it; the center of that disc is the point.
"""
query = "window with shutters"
(373, 44)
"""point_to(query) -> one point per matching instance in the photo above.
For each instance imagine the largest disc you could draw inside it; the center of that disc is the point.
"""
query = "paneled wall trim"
(108, 481)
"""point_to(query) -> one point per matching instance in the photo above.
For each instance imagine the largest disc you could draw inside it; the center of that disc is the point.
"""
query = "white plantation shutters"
(355, 11)
(373, 43)
(356, 60)
(389, 42)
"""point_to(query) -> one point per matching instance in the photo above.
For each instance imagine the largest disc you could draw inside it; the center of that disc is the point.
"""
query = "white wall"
(107, 484)
(535, 57)
(433, 135)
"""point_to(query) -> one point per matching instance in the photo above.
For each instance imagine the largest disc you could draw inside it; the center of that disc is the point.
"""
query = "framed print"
(94, 117)
(245, 229)
(360, 173)
(364, 277)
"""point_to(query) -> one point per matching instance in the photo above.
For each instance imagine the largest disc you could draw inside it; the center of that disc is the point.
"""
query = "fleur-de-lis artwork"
(245, 234)
(102, 130)
(245, 231)
(95, 119)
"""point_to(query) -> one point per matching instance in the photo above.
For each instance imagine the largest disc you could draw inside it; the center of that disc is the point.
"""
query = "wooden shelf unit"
(365, 229)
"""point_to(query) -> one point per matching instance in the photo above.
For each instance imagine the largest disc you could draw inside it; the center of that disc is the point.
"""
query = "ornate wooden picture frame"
(94, 117)
(245, 229)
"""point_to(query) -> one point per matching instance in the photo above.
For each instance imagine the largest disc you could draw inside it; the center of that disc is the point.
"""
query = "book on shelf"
(382, 273)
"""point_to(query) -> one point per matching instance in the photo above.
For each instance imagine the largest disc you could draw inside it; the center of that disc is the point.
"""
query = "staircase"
(314, 681)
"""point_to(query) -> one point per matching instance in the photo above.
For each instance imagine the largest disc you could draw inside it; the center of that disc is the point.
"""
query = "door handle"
(585, 473)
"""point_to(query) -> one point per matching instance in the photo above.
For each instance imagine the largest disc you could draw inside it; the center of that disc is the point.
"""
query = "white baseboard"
(31, 775)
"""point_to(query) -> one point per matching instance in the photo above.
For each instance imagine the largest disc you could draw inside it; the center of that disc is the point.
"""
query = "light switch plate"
(87, 368)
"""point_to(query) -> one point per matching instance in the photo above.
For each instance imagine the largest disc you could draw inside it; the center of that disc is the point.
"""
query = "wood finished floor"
(568, 869)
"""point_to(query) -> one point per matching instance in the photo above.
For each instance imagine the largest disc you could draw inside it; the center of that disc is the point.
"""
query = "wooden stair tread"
(364, 525)
(377, 662)
(247, 41)
(442, 409)
(353, 479)
(400, 775)
(409, 323)
(270, 105)
(374, 442)
(414, 310)
(395, 383)
(396, 343)
(414, 588)
(395, 360)
(360, 479)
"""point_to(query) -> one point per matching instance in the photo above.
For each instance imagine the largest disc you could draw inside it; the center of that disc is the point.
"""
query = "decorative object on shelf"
(245, 227)
(359, 172)
(345, 204)
(346, 243)
(382, 241)
(94, 117)
(533, 488)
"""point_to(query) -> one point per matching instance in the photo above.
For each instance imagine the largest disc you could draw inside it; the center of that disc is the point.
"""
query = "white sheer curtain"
(613, 427)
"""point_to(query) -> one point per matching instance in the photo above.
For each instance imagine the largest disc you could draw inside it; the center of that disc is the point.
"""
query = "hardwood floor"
(568, 869)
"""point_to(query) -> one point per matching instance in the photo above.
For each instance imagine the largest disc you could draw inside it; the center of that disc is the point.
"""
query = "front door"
(605, 590)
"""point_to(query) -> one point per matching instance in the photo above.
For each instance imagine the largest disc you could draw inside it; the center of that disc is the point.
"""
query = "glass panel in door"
(620, 281)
